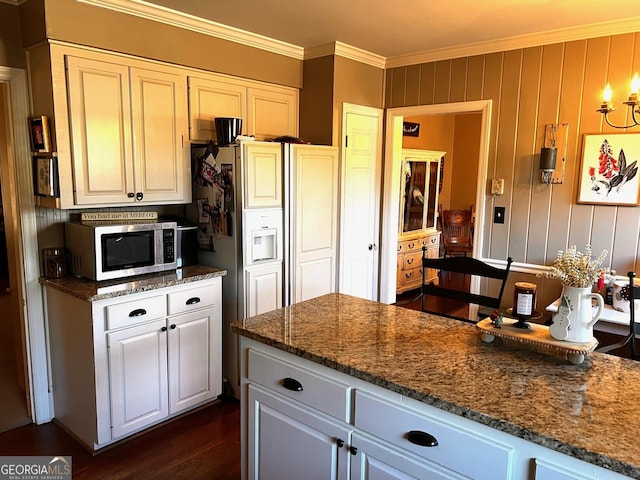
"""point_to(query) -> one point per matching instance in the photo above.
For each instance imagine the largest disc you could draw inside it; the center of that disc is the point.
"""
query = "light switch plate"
(497, 186)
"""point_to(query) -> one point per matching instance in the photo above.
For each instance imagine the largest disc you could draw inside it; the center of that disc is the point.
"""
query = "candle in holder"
(524, 302)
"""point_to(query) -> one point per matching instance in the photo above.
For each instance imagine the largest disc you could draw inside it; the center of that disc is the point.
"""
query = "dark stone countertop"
(93, 291)
(589, 411)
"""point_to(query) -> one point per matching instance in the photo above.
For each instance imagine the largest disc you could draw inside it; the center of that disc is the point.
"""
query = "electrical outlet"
(497, 186)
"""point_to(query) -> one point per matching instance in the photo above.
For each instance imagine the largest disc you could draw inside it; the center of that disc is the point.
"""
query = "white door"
(195, 358)
(360, 204)
(313, 216)
(138, 376)
(289, 442)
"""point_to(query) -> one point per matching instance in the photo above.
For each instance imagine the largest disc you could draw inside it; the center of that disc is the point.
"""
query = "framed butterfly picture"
(609, 169)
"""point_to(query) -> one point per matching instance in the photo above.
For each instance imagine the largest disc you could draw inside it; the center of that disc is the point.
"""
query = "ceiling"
(395, 29)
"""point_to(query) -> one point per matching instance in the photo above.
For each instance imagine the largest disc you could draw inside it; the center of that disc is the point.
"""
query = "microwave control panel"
(168, 242)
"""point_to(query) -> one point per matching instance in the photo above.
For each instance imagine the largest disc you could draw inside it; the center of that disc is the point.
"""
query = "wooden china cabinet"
(418, 216)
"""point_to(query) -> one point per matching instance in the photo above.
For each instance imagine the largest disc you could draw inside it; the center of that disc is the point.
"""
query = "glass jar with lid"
(55, 262)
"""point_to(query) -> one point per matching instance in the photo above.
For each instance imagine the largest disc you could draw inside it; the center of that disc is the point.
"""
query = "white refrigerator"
(268, 214)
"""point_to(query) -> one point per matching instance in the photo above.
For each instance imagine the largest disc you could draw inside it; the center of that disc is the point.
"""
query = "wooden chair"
(457, 231)
(465, 266)
(634, 328)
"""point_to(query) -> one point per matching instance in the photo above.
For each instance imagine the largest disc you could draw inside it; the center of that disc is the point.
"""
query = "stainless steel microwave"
(104, 251)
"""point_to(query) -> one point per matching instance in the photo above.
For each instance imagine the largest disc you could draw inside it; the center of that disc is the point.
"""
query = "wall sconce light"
(632, 101)
(552, 154)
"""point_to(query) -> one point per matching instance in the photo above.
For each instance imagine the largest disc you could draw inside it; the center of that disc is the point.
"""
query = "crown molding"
(140, 8)
(347, 51)
(616, 27)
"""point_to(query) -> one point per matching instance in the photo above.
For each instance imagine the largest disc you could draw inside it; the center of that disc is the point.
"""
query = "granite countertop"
(93, 291)
(590, 411)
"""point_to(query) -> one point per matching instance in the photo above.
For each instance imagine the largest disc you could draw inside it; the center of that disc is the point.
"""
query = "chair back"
(466, 266)
(456, 228)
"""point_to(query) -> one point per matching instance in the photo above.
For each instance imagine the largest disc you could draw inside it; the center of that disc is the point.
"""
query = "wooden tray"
(537, 335)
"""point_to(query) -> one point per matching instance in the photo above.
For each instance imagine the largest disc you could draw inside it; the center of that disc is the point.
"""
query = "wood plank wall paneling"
(532, 87)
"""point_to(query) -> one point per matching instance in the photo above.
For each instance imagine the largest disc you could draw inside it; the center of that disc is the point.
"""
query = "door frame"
(29, 290)
(391, 194)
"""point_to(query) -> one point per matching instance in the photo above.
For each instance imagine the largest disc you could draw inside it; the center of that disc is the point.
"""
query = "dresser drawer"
(193, 298)
(411, 277)
(412, 260)
(317, 391)
(142, 310)
(465, 452)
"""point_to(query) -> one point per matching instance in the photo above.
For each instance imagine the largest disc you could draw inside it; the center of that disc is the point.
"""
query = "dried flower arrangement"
(576, 269)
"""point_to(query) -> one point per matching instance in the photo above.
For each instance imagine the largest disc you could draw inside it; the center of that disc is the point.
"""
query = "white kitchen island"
(340, 387)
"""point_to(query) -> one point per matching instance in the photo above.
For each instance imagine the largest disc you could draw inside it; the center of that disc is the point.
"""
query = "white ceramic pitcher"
(574, 320)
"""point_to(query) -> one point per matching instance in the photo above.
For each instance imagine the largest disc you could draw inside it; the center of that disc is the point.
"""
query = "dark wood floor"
(202, 445)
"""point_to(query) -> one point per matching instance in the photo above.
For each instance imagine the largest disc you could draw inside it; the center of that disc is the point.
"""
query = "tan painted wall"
(71, 21)
(316, 100)
(559, 83)
(11, 53)
(356, 83)
(466, 148)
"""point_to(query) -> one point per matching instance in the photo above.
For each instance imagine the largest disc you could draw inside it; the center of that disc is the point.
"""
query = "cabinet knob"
(173, 326)
(292, 384)
(163, 329)
(193, 300)
(137, 312)
(422, 439)
(131, 194)
(339, 442)
(353, 450)
(139, 196)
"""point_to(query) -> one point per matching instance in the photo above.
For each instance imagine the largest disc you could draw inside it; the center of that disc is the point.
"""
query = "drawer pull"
(292, 384)
(409, 261)
(411, 246)
(137, 312)
(422, 439)
(193, 300)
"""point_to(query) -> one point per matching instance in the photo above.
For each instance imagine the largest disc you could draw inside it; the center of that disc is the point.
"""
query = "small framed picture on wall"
(40, 134)
(410, 129)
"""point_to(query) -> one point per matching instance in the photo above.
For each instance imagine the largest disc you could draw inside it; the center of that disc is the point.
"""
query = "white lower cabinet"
(123, 364)
(293, 442)
(304, 420)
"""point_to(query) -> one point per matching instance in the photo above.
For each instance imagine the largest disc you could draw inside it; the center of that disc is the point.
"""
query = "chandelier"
(607, 107)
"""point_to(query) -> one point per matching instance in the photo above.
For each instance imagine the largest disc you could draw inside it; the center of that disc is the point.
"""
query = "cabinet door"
(313, 207)
(262, 174)
(138, 376)
(376, 460)
(263, 286)
(291, 442)
(195, 358)
(162, 165)
(100, 117)
(210, 98)
(272, 112)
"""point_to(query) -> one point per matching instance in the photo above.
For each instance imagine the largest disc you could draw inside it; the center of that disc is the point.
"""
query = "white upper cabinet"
(267, 111)
(127, 129)
(210, 98)
(120, 127)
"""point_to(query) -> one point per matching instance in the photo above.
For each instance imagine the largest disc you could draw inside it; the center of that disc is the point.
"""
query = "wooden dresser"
(409, 273)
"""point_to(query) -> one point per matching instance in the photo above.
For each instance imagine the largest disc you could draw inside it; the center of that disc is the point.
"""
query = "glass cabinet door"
(420, 178)
(415, 179)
